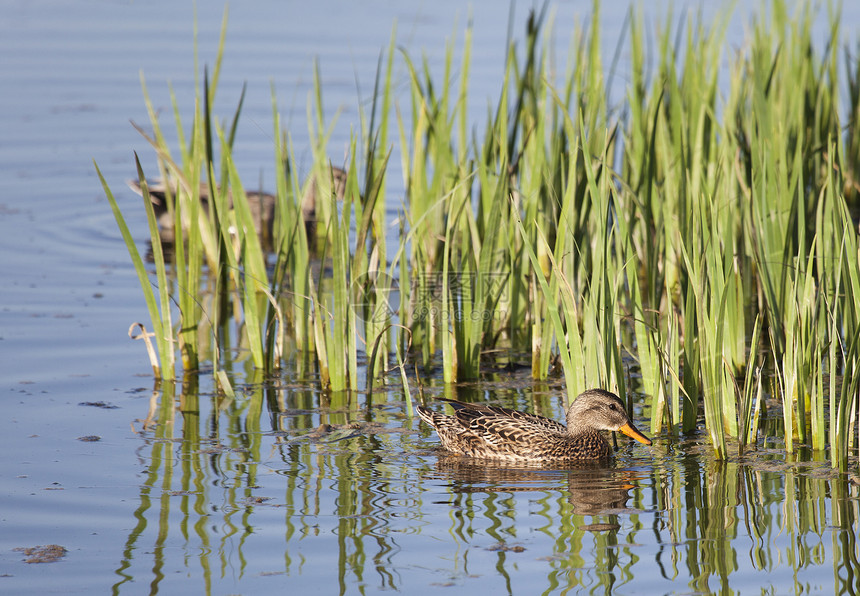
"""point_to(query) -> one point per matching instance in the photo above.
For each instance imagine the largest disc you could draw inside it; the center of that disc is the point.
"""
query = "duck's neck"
(575, 428)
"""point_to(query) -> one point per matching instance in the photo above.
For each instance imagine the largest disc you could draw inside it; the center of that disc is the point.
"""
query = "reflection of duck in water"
(494, 432)
(261, 205)
(593, 489)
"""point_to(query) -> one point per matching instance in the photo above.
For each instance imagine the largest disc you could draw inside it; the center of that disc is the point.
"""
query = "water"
(284, 488)
(335, 497)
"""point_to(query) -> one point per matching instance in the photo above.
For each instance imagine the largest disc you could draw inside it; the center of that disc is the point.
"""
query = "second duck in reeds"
(261, 204)
(477, 430)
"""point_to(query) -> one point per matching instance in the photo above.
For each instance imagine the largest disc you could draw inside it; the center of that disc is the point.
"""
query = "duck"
(261, 204)
(494, 432)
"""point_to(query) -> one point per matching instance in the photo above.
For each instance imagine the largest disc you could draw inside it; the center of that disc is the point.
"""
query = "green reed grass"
(291, 277)
(159, 310)
(689, 243)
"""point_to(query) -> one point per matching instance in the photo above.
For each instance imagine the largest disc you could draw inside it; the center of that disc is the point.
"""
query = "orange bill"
(631, 432)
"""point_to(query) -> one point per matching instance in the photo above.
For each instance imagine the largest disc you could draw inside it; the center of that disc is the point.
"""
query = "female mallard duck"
(490, 431)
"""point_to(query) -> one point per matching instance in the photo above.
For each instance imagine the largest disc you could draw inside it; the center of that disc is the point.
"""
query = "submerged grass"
(702, 230)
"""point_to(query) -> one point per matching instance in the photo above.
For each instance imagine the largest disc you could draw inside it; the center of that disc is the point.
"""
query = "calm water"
(284, 488)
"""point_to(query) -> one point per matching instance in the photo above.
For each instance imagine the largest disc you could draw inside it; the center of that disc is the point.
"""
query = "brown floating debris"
(49, 553)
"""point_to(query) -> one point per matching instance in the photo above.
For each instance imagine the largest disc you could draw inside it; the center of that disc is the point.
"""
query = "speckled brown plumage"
(479, 430)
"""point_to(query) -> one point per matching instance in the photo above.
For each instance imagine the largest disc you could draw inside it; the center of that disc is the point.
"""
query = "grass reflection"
(343, 495)
(754, 515)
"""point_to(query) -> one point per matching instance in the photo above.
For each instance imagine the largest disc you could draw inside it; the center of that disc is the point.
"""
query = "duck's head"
(597, 409)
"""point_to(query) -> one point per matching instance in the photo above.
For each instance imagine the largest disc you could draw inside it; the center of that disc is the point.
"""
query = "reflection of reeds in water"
(327, 483)
(762, 511)
(583, 508)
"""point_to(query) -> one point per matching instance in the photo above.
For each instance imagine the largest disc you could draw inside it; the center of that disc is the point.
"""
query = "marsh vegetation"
(692, 246)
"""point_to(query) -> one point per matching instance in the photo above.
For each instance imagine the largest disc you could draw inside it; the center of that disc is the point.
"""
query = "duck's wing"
(509, 436)
(478, 430)
(469, 413)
